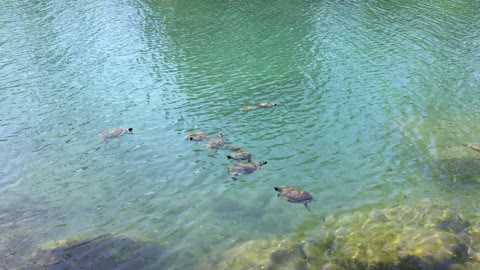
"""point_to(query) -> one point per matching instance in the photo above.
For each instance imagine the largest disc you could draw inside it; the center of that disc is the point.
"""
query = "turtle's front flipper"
(307, 206)
(279, 190)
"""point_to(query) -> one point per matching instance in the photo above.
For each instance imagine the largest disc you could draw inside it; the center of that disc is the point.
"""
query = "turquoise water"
(375, 99)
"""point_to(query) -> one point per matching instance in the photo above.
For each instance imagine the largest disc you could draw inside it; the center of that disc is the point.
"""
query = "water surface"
(375, 101)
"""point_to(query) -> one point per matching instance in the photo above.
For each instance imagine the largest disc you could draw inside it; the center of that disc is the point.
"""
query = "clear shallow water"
(375, 99)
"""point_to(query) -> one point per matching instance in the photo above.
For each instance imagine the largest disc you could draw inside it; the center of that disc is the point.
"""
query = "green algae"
(414, 236)
(262, 254)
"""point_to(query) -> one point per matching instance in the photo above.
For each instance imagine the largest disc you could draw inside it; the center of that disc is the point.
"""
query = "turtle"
(217, 143)
(261, 105)
(295, 195)
(241, 155)
(233, 148)
(245, 168)
(197, 137)
(474, 146)
(115, 133)
(265, 105)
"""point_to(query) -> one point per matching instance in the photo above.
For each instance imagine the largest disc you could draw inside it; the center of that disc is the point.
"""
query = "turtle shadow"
(103, 252)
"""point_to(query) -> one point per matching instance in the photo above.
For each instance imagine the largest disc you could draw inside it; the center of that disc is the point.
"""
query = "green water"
(375, 101)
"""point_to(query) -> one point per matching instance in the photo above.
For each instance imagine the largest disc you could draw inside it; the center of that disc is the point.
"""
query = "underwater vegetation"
(428, 234)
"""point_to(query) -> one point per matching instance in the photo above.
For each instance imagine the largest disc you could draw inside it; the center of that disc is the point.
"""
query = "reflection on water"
(375, 101)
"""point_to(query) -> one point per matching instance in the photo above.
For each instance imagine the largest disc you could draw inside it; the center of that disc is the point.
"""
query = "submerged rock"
(103, 252)
(427, 235)
(448, 148)
(460, 173)
(262, 254)
(418, 236)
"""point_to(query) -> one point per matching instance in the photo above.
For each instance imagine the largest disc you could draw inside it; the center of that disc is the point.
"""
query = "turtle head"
(274, 104)
(277, 189)
(130, 130)
(261, 163)
(190, 138)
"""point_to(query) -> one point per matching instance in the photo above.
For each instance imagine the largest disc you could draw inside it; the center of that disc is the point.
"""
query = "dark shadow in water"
(460, 173)
(25, 223)
(104, 252)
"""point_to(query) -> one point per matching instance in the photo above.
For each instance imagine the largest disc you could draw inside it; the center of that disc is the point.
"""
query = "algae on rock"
(428, 234)
(262, 254)
(103, 252)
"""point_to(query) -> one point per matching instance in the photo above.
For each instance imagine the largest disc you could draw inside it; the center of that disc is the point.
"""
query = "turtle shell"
(241, 155)
(245, 168)
(218, 142)
(115, 133)
(295, 195)
(265, 105)
(197, 137)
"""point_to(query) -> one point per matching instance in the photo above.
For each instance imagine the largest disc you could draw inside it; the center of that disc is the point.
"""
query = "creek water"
(375, 99)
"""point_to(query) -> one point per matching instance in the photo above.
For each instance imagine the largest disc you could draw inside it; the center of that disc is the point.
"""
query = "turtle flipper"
(307, 205)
